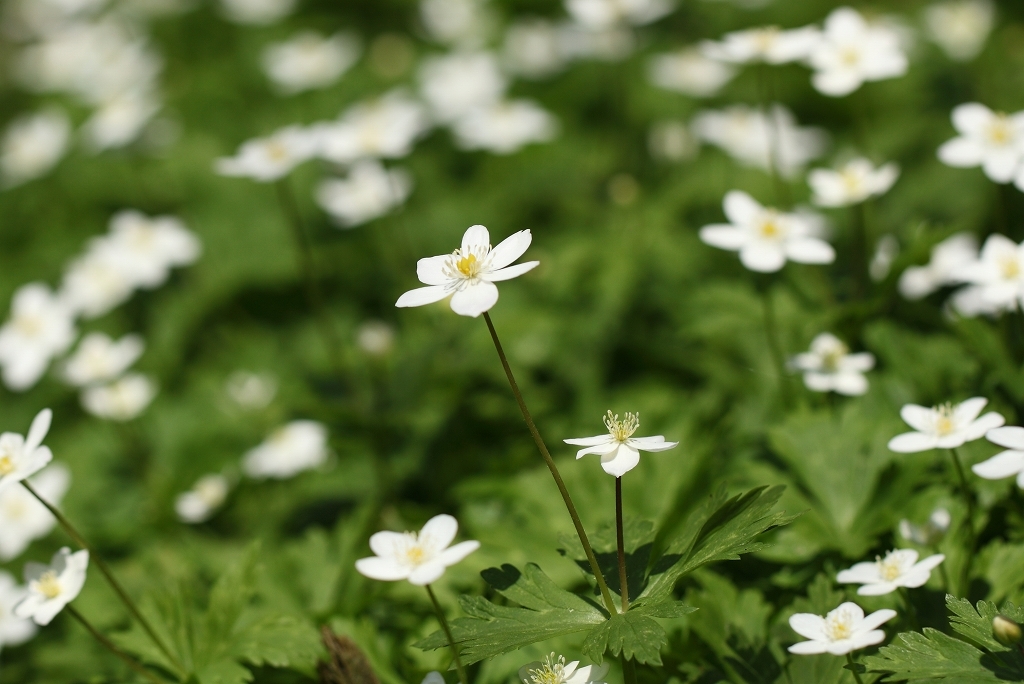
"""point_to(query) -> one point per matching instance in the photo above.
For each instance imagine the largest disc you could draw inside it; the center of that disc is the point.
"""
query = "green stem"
(965, 489)
(945, 578)
(546, 455)
(853, 669)
(128, 660)
(619, 536)
(909, 607)
(448, 633)
(628, 670)
(859, 249)
(766, 88)
(97, 560)
(772, 333)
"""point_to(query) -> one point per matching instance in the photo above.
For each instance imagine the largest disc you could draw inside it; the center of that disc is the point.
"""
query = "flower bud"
(1006, 631)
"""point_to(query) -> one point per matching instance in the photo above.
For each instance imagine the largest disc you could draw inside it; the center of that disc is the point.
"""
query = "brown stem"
(128, 660)
(623, 580)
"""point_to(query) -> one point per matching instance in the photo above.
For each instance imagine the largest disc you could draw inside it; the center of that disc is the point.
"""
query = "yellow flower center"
(29, 325)
(1010, 268)
(765, 38)
(837, 628)
(890, 568)
(468, 265)
(850, 56)
(999, 130)
(770, 227)
(621, 430)
(48, 585)
(6, 465)
(551, 672)
(276, 151)
(830, 359)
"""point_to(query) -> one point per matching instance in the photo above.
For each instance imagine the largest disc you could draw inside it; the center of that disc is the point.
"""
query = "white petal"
(836, 83)
(1001, 465)
(877, 589)
(860, 362)
(762, 257)
(808, 648)
(510, 249)
(961, 153)
(918, 417)
(475, 299)
(428, 573)
(860, 573)
(740, 208)
(48, 610)
(430, 271)
(723, 236)
(600, 439)
(386, 544)
(877, 618)
(911, 442)
(37, 433)
(987, 422)
(383, 569)
(972, 118)
(510, 272)
(601, 449)
(810, 251)
(453, 555)
(652, 444)
(439, 532)
(808, 625)
(421, 296)
(968, 410)
(475, 236)
(819, 382)
(620, 461)
(1009, 437)
(851, 384)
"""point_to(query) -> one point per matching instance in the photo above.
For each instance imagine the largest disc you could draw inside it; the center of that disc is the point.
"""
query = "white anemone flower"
(99, 358)
(13, 629)
(769, 44)
(554, 670)
(604, 14)
(532, 49)
(468, 274)
(998, 274)
(120, 120)
(672, 141)
(148, 247)
(504, 127)
(121, 400)
(32, 145)
(251, 391)
(419, 558)
(947, 259)
(198, 504)
(690, 72)
(257, 12)
(456, 22)
(41, 326)
(611, 44)
(843, 630)
(22, 457)
(856, 181)
(381, 128)
(619, 449)
(944, 427)
(992, 140)
(23, 519)
(899, 568)
(960, 27)
(1006, 463)
(766, 238)
(457, 83)
(370, 191)
(97, 281)
(272, 158)
(931, 532)
(53, 586)
(853, 51)
(309, 61)
(296, 447)
(830, 367)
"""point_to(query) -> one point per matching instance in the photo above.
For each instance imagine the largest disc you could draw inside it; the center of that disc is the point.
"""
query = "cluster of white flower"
(992, 140)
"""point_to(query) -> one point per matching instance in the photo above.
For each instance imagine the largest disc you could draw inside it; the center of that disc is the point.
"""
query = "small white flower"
(383, 128)
(947, 259)
(150, 247)
(899, 568)
(991, 140)
(602, 14)
(298, 446)
(32, 145)
(619, 449)
(468, 274)
(554, 670)
(419, 558)
(843, 630)
(309, 61)
(770, 44)
(672, 141)
(532, 49)
(41, 326)
(504, 127)
(765, 237)
(251, 391)
(96, 282)
(611, 44)
(1006, 463)
(53, 586)
(99, 358)
(690, 72)
(22, 457)
(855, 182)
(960, 27)
(13, 629)
(998, 274)
(370, 191)
(944, 427)
(120, 400)
(376, 338)
(257, 12)
(929, 534)
(455, 22)
(455, 84)
(198, 504)
(22, 518)
(270, 159)
(120, 120)
(830, 367)
(853, 51)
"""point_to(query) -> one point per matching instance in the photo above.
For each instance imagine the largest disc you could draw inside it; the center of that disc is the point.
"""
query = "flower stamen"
(621, 430)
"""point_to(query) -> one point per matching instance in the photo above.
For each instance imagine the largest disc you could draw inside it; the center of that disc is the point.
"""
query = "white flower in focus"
(298, 446)
(149, 247)
(468, 274)
(690, 72)
(947, 259)
(766, 238)
(455, 22)
(22, 518)
(251, 391)
(99, 358)
(672, 141)
(855, 182)
(554, 670)
(960, 27)
(13, 630)
(41, 326)
(532, 49)
(1006, 463)
(97, 281)
(994, 141)
(370, 191)
(843, 630)
(53, 586)
(385, 128)
(120, 120)
(830, 367)
(419, 558)
(929, 534)
(944, 427)
(619, 449)
(257, 12)
(998, 274)
(198, 504)
(455, 84)
(309, 61)
(504, 127)
(770, 44)
(270, 159)
(853, 51)
(121, 400)
(22, 457)
(602, 14)
(899, 568)
(32, 145)
(376, 338)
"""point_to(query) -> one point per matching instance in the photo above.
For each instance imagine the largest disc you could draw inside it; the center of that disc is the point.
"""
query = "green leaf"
(975, 623)
(632, 634)
(936, 656)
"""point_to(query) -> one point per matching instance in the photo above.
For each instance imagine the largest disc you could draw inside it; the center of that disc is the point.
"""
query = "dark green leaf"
(632, 634)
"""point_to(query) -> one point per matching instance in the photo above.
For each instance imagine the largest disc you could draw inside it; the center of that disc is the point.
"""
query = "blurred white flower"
(602, 14)
(32, 145)
(99, 358)
(998, 274)
(886, 251)
(853, 51)
(23, 457)
(13, 630)
(745, 4)
(992, 140)
(960, 27)
(23, 518)
(504, 127)
(610, 44)
(385, 127)
(419, 558)
(947, 258)
(198, 504)
(855, 182)
(53, 586)
(830, 367)
(766, 238)
(672, 141)
(150, 247)
(370, 191)
(120, 120)
(619, 449)
(121, 400)
(463, 23)
(251, 391)
(309, 61)
(272, 158)
(944, 427)
(457, 83)
(97, 281)
(770, 44)
(554, 670)
(376, 338)
(1006, 463)
(300, 445)
(843, 630)
(899, 568)
(40, 327)
(433, 677)
(257, 12)
(532, 49)
(690, 72)
(468, 274)
(929, 534)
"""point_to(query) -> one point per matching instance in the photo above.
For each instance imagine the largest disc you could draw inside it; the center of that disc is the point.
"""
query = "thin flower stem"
(965, 489)
(910, 608)
(128, 660)
(623, 579)
(766, 86)
(448, 633)
(853, 669)
(859, 249)
(945, 578)
(771, 331)
(105, 571)
(539, 441)
(628, 670)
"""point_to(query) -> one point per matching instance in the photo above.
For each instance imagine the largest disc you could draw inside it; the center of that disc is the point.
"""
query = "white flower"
(993, 141)
(120, 400)
(619, 449)
(554, 670)
(899, 568)
(944, 427)
(257, 12)
(97, 281)
(22, 457)
(672, 141)
(947, 259)
(929, 534)
(855, 182)
(99, 358)
(22, 518)
(13, 629)
(610, 44)
(120, 120)
(384, 128)
(455, 84)
(602, 14)
(765, 237)
(1006, 463)
(998, 274)
(53, 586)
(202, 501)
(504, 127)
(843, 630)
(960, 27)
(309, 61)
(690, 72)
(376, 338)
(270, 159)
(468, 274)
(532, 49)
(830, 367)
(32, 145)
(300, 445)
(769, 44)
(150, 246)
(251, 390)
(420, 558)
(40, 327)
(433, 677)
(852, 51)
(369, 191)
(456, 22)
